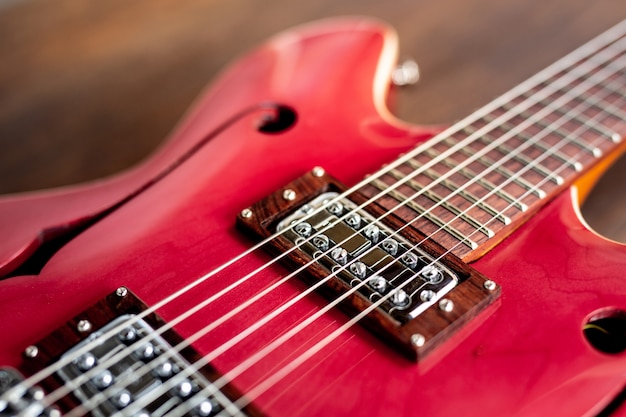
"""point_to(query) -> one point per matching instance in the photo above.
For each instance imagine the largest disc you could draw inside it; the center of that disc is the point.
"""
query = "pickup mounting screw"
(246, 213)
(83, 326)
(489, 285)
(418, 340)
(121, 292)
(318, 172)
(446, 305)
(289, 194)
(31, 352)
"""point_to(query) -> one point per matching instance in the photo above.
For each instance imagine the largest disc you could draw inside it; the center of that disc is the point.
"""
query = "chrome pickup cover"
(117, 358)
(371, 253)
(127, 384)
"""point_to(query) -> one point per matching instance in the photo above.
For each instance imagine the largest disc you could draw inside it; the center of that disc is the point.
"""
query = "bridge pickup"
(113, 360)
(416, 295)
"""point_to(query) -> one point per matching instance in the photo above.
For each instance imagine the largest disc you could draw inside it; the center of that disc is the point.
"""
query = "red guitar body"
(529, 357)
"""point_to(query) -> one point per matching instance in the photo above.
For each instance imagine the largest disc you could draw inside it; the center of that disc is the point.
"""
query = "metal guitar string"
(217, 353)
(276, 343)
(221, 268)
(205, 359)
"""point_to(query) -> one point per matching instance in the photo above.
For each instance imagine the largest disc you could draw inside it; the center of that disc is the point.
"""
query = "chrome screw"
(32, 351)
(418, 340)
(289, 194)
(446, 305)
(246, 213)
(489, 285)
(83, 326)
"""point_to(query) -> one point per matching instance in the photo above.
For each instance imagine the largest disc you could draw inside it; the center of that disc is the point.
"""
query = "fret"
(424, 213)
(570, 137)
(577, 166)
(445, 203)
(455, 188)
(504, 171)
(512, 155)
(488, 185)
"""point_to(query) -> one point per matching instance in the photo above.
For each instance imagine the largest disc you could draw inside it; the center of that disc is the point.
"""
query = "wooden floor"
(89, 88)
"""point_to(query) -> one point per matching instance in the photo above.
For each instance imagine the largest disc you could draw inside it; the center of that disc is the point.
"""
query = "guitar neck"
(469, 187)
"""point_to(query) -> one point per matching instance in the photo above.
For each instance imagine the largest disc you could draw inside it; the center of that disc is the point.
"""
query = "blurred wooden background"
(88, 88)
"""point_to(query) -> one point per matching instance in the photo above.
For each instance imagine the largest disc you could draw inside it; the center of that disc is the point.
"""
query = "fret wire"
(211, 274)
(458, 235)
(262, 387)
(471, 175)
(436, 198)
(543, 147)
(533, 117)
(466, 195)
(279, 375)
(599, 130)
(543, 111)
(573, 68)
(597, 152)
(504, 171)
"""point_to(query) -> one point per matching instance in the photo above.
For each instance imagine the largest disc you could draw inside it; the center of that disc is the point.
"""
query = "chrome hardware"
(390, 246)
(86, 362)
(372, 232)
(378, 283)
(358, 269)
(321, 242)
(83, 326)
(405, 73)
(418, 340)
(409, 259)
(124, 376)
(31, 351)
(335, 208)
(121, 291)
(427, 295)
(17, 399)
(103, 380)
(289, 195)
(303, 229)
(400, 299)
(318, 172)
(246, 213)
(431, 274)
(489, 285)
(369, 249)
(340, 255)
(146, 352)
(446, 305)
(128, 335)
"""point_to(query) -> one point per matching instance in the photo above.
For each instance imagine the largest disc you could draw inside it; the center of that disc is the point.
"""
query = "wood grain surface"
(90, 88)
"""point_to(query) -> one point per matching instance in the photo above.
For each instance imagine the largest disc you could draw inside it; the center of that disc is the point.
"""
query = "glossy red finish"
(528, 358)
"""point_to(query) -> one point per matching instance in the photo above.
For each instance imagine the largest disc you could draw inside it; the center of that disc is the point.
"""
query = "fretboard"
(470, 186)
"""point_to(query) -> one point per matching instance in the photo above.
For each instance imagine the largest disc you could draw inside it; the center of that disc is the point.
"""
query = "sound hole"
(607, 332)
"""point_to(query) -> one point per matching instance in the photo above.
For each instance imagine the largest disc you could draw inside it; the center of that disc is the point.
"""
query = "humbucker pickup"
(368, 257)
(114, 359)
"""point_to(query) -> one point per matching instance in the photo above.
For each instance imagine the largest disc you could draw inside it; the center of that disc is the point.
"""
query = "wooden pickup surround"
(406, 288)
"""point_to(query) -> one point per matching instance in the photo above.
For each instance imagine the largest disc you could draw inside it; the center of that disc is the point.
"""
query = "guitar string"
(251, 361)
(565, 141)
(256, 392)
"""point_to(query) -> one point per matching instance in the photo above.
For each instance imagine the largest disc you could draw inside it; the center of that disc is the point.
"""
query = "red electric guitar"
(263, 263)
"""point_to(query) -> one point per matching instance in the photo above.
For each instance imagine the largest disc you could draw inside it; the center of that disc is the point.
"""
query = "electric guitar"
(293, 249)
